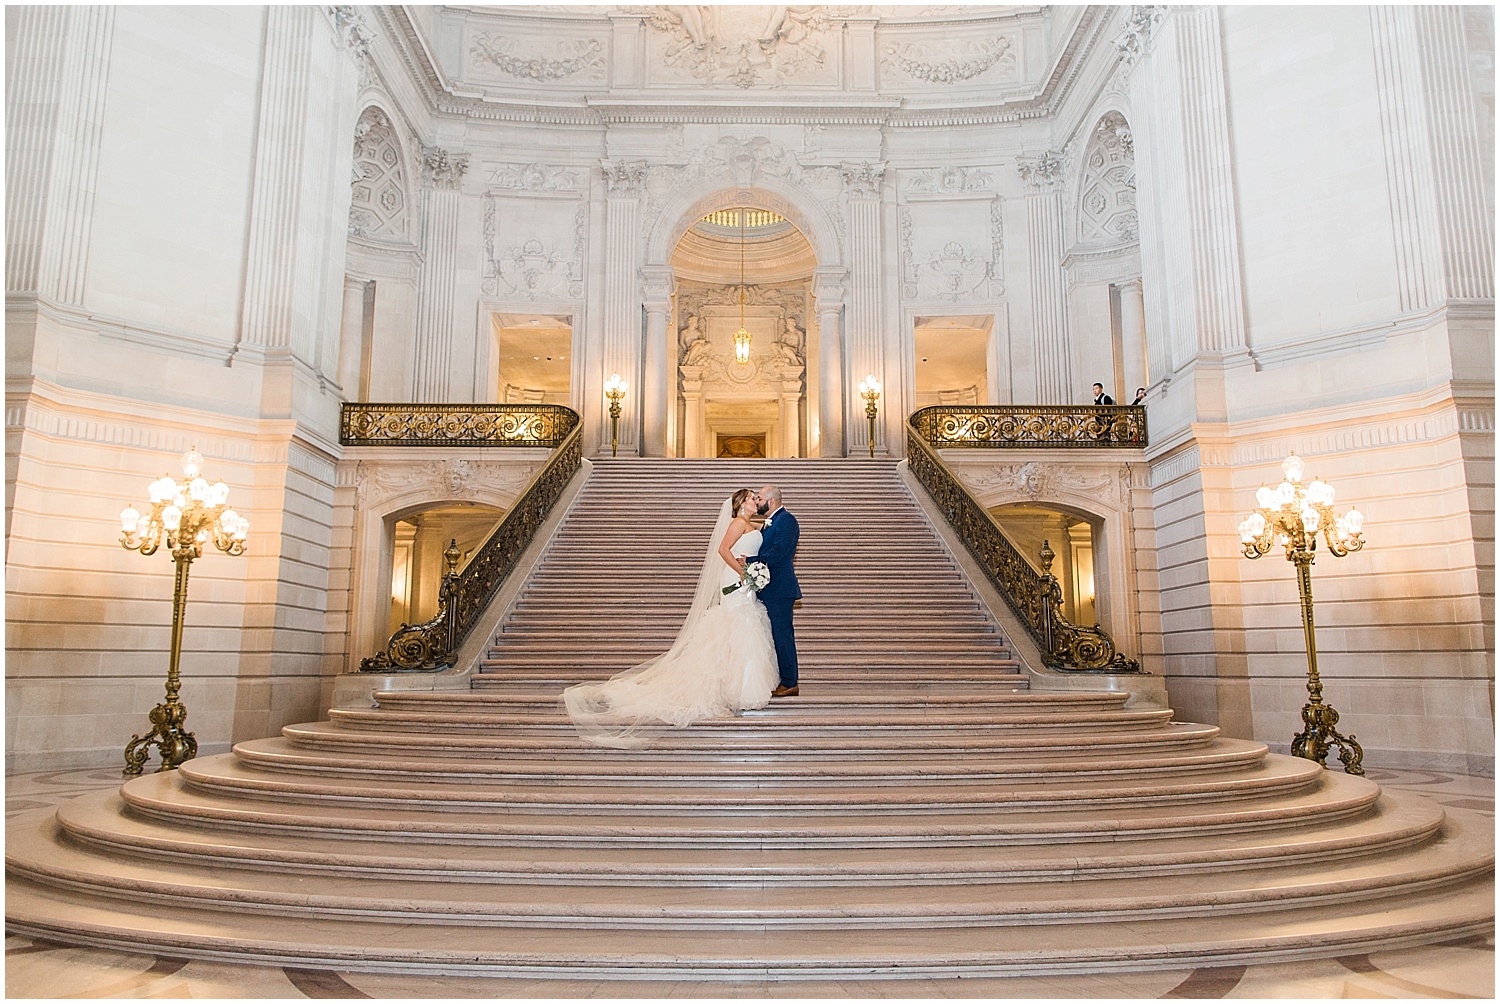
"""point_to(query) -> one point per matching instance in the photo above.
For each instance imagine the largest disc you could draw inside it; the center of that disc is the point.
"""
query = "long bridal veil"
(627, 709)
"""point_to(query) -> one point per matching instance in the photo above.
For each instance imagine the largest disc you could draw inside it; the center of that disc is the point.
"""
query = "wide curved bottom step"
(351, 944)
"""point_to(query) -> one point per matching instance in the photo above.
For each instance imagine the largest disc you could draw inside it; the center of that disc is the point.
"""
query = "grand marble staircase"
(916, 811)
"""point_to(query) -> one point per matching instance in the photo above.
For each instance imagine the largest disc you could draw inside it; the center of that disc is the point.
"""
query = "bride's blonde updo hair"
(738, 500)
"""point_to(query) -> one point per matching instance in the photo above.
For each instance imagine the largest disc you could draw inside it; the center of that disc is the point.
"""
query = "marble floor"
(1461, 969)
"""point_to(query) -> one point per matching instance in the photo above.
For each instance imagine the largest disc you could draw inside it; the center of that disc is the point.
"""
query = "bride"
(722, 662)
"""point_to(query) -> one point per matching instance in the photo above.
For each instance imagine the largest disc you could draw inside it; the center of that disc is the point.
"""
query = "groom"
(778, 545)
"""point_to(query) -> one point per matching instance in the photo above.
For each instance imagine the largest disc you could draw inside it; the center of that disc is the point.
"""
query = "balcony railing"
(1035, 597)
(535, 425)
(463, 595)
(1034, 425)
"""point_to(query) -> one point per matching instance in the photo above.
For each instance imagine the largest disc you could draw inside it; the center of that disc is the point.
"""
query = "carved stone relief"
(379, 482)
(378, 204)
(746, 46)
(944, 63)
(1039, 480)
(950, 180)
(582, 58)
(538, 178)
(954, 271)
(535, 269)
(1106, 200)
(711, 359)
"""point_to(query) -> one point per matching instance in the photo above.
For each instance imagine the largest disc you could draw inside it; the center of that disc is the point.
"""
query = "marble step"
(1271, 777)
(1454, 855)
(172, 799)
(787, 715)
(784, 745)
(913, 697)
(101, 820)
(371, 760)
(771, 953)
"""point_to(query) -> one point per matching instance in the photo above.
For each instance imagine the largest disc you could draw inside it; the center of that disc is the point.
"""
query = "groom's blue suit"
(778, 545)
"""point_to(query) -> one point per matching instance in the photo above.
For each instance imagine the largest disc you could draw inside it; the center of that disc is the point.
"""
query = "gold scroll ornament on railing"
(463, 595)
(1036, 597)
(533, 425)
(1037, 425)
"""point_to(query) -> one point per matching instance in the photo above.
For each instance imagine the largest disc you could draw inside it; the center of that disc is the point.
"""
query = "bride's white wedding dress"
(723, 661)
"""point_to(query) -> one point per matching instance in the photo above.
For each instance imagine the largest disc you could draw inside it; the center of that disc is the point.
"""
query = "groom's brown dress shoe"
(784, 692)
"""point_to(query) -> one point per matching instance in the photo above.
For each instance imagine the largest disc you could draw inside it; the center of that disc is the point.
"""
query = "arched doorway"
(745, 373)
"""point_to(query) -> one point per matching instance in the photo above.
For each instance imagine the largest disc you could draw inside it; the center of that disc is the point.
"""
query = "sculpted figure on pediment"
(745, 46)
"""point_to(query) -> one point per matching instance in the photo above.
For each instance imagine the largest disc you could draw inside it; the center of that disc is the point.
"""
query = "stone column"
(863, 183)
(622, 305)
(692, 395)
(656, 295)
(828, 288)
(441, 174)
(791, 427)
(1049, 307)
(351, 331)
(1133, 338)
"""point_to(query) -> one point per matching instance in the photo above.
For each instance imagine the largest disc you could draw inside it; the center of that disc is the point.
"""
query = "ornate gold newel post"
(190, 514)
(614, 389)
(1292, 514)
(869, 389)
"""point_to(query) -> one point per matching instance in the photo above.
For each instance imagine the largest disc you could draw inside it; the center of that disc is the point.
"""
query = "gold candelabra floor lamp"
(869, 389)
(188, 514)
(614, 389)
(1294, 515)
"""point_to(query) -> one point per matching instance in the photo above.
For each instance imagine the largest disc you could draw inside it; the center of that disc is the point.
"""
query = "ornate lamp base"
(1319, 735)
(175, 744)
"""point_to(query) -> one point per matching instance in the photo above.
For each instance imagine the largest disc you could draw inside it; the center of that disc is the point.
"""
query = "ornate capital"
(656, 286)
(862, 180)
(352, 29)
(828, 286)
(441, 169)
(1042, 174)
(625, 178)
(1135, 41)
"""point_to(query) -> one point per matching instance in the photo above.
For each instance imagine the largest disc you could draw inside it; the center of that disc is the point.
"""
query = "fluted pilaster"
(55, 97)
(1049, 308)
(441, 174)
(271, 267)
(1466, 223)
(656, 383)
(622, 329)
(828, 289)
(864, 183)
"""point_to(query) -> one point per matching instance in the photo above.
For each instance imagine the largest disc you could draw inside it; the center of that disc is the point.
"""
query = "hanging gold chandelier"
(742, 336)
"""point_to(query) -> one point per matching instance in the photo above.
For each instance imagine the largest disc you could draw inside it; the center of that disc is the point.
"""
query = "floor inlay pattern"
(1460, 969)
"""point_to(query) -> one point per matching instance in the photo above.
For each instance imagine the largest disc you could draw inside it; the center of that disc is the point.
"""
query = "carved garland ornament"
(977, 58)
(499, 51)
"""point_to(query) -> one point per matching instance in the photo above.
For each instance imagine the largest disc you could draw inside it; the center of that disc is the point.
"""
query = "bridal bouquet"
(754, 578)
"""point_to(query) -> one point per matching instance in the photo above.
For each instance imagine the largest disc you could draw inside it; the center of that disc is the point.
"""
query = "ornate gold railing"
(544, 425)
(463, 596)
(1035, 425)
(1036, 597)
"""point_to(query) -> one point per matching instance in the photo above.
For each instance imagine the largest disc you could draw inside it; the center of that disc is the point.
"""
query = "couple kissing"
(736, 649)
